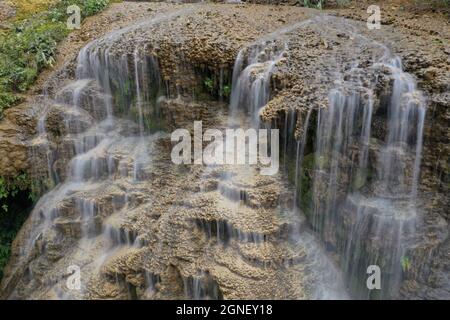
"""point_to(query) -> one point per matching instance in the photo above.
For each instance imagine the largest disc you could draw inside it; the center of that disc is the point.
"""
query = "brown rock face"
(7, 10)
(146, 228)
(16, 128)
(139, 226)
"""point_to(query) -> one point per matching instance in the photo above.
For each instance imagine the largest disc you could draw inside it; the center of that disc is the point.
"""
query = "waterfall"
(352, 203)
(107, 122)
(251, 90)
(299, 158)
(251, 86)
(362, 194)
(368, 203)
(405, 128)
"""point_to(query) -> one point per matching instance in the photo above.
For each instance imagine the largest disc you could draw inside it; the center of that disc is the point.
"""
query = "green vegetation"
(227, 91)
(318, 4)
(212, 86)
(406, 264)
(92, 7)
(209, 84)
(12, 188)
(16, 198)
(30, 45)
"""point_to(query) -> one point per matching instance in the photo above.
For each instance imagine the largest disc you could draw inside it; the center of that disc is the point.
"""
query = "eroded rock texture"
(139, 226)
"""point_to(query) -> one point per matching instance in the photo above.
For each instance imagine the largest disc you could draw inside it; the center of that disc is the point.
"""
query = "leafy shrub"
(11, 188)
(209, 84)
(31, 45)
(94, 6)
(227, 90)
(88, 8)
(406, 264)
(25, 50)
(24, 53)
(16, 198)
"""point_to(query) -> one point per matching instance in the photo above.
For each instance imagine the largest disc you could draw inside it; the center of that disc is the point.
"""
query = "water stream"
(359, 203)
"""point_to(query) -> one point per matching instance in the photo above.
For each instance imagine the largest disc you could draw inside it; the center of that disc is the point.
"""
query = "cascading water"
(251, 86)
(405, 129)
(109, 140)
(364, 191)
(252, 76)
(355, 182)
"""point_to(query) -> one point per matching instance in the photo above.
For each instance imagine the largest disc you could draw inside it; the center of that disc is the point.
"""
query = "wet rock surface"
(146, 228)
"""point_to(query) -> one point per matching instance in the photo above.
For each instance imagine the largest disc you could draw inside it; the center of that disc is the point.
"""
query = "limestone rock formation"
(355, 186)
